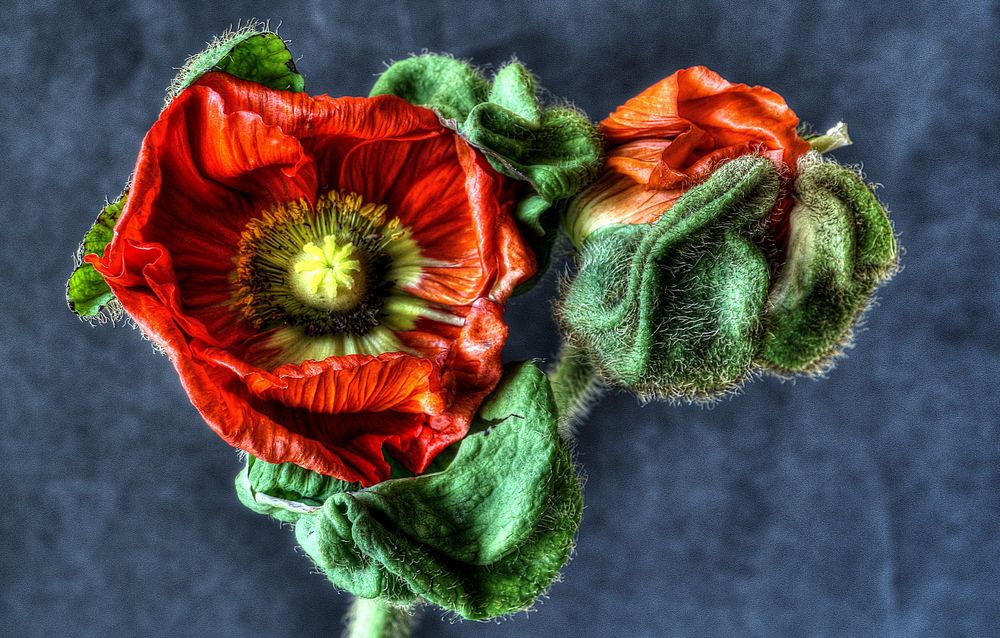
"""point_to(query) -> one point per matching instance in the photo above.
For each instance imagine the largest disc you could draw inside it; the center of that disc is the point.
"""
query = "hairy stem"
(574, 386)
(373, 618)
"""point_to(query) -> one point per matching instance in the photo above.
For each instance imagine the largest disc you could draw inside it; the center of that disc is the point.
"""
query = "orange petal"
(616, 198)
(731, 114)
(217, 155)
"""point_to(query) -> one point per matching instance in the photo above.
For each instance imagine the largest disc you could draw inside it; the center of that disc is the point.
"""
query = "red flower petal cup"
(327, 274)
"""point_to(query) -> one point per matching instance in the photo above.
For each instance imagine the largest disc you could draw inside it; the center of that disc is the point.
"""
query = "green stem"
(373, 618)
(574, 386)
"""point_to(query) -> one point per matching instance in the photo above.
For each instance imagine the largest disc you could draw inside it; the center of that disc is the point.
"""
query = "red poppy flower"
(326, 274)
(673, 135)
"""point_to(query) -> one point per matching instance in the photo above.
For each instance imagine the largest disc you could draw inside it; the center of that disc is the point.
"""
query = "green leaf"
(250, 53)
(542, 218)
(841, 248)
(558, 156)
(87, 294)
(672, 308)
(482, 538)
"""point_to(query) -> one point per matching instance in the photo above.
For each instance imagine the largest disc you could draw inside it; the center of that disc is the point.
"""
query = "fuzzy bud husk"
(689, 306)
(672, 308)
(841, 248)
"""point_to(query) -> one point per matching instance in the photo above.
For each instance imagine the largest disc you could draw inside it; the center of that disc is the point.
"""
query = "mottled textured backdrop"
(863, 504)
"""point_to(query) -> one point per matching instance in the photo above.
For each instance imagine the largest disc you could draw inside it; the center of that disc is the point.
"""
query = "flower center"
(328, 276)
(324, 271)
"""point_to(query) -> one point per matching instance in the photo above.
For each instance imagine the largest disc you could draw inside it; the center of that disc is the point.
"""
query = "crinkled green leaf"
(87, 294)
(482, 538)
(558, 156)
(514, 88)
(555, 149)
(841, 248)
(449, 86)
(250, 53)
(672, 308)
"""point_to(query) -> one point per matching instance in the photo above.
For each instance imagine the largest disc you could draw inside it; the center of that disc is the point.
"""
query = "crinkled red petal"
(476, 362)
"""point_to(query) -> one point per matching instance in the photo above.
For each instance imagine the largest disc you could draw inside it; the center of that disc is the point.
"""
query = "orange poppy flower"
(672, 136)
(327, 274)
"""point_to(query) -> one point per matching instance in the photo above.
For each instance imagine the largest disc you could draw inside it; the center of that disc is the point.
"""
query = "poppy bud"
(672, 308)
(688, 306)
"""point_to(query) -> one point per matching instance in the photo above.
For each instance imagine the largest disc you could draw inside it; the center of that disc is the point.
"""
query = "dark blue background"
(863, 504)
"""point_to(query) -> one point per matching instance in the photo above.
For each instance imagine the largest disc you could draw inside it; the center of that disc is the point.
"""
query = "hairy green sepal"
(87, 294)
(250, 53)
(482, 538)
(285, 491)
(554, 148)
(841, 247)
(672, 308)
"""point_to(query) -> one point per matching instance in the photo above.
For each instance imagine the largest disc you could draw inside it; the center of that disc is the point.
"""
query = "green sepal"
(285, 491)
(555, 149)
(672, 308)
(558, 156)
(87, 294)
(514, 88)
(449, 86)
(841, 248)
(250, 53)
(541, 242)
(482, 538)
